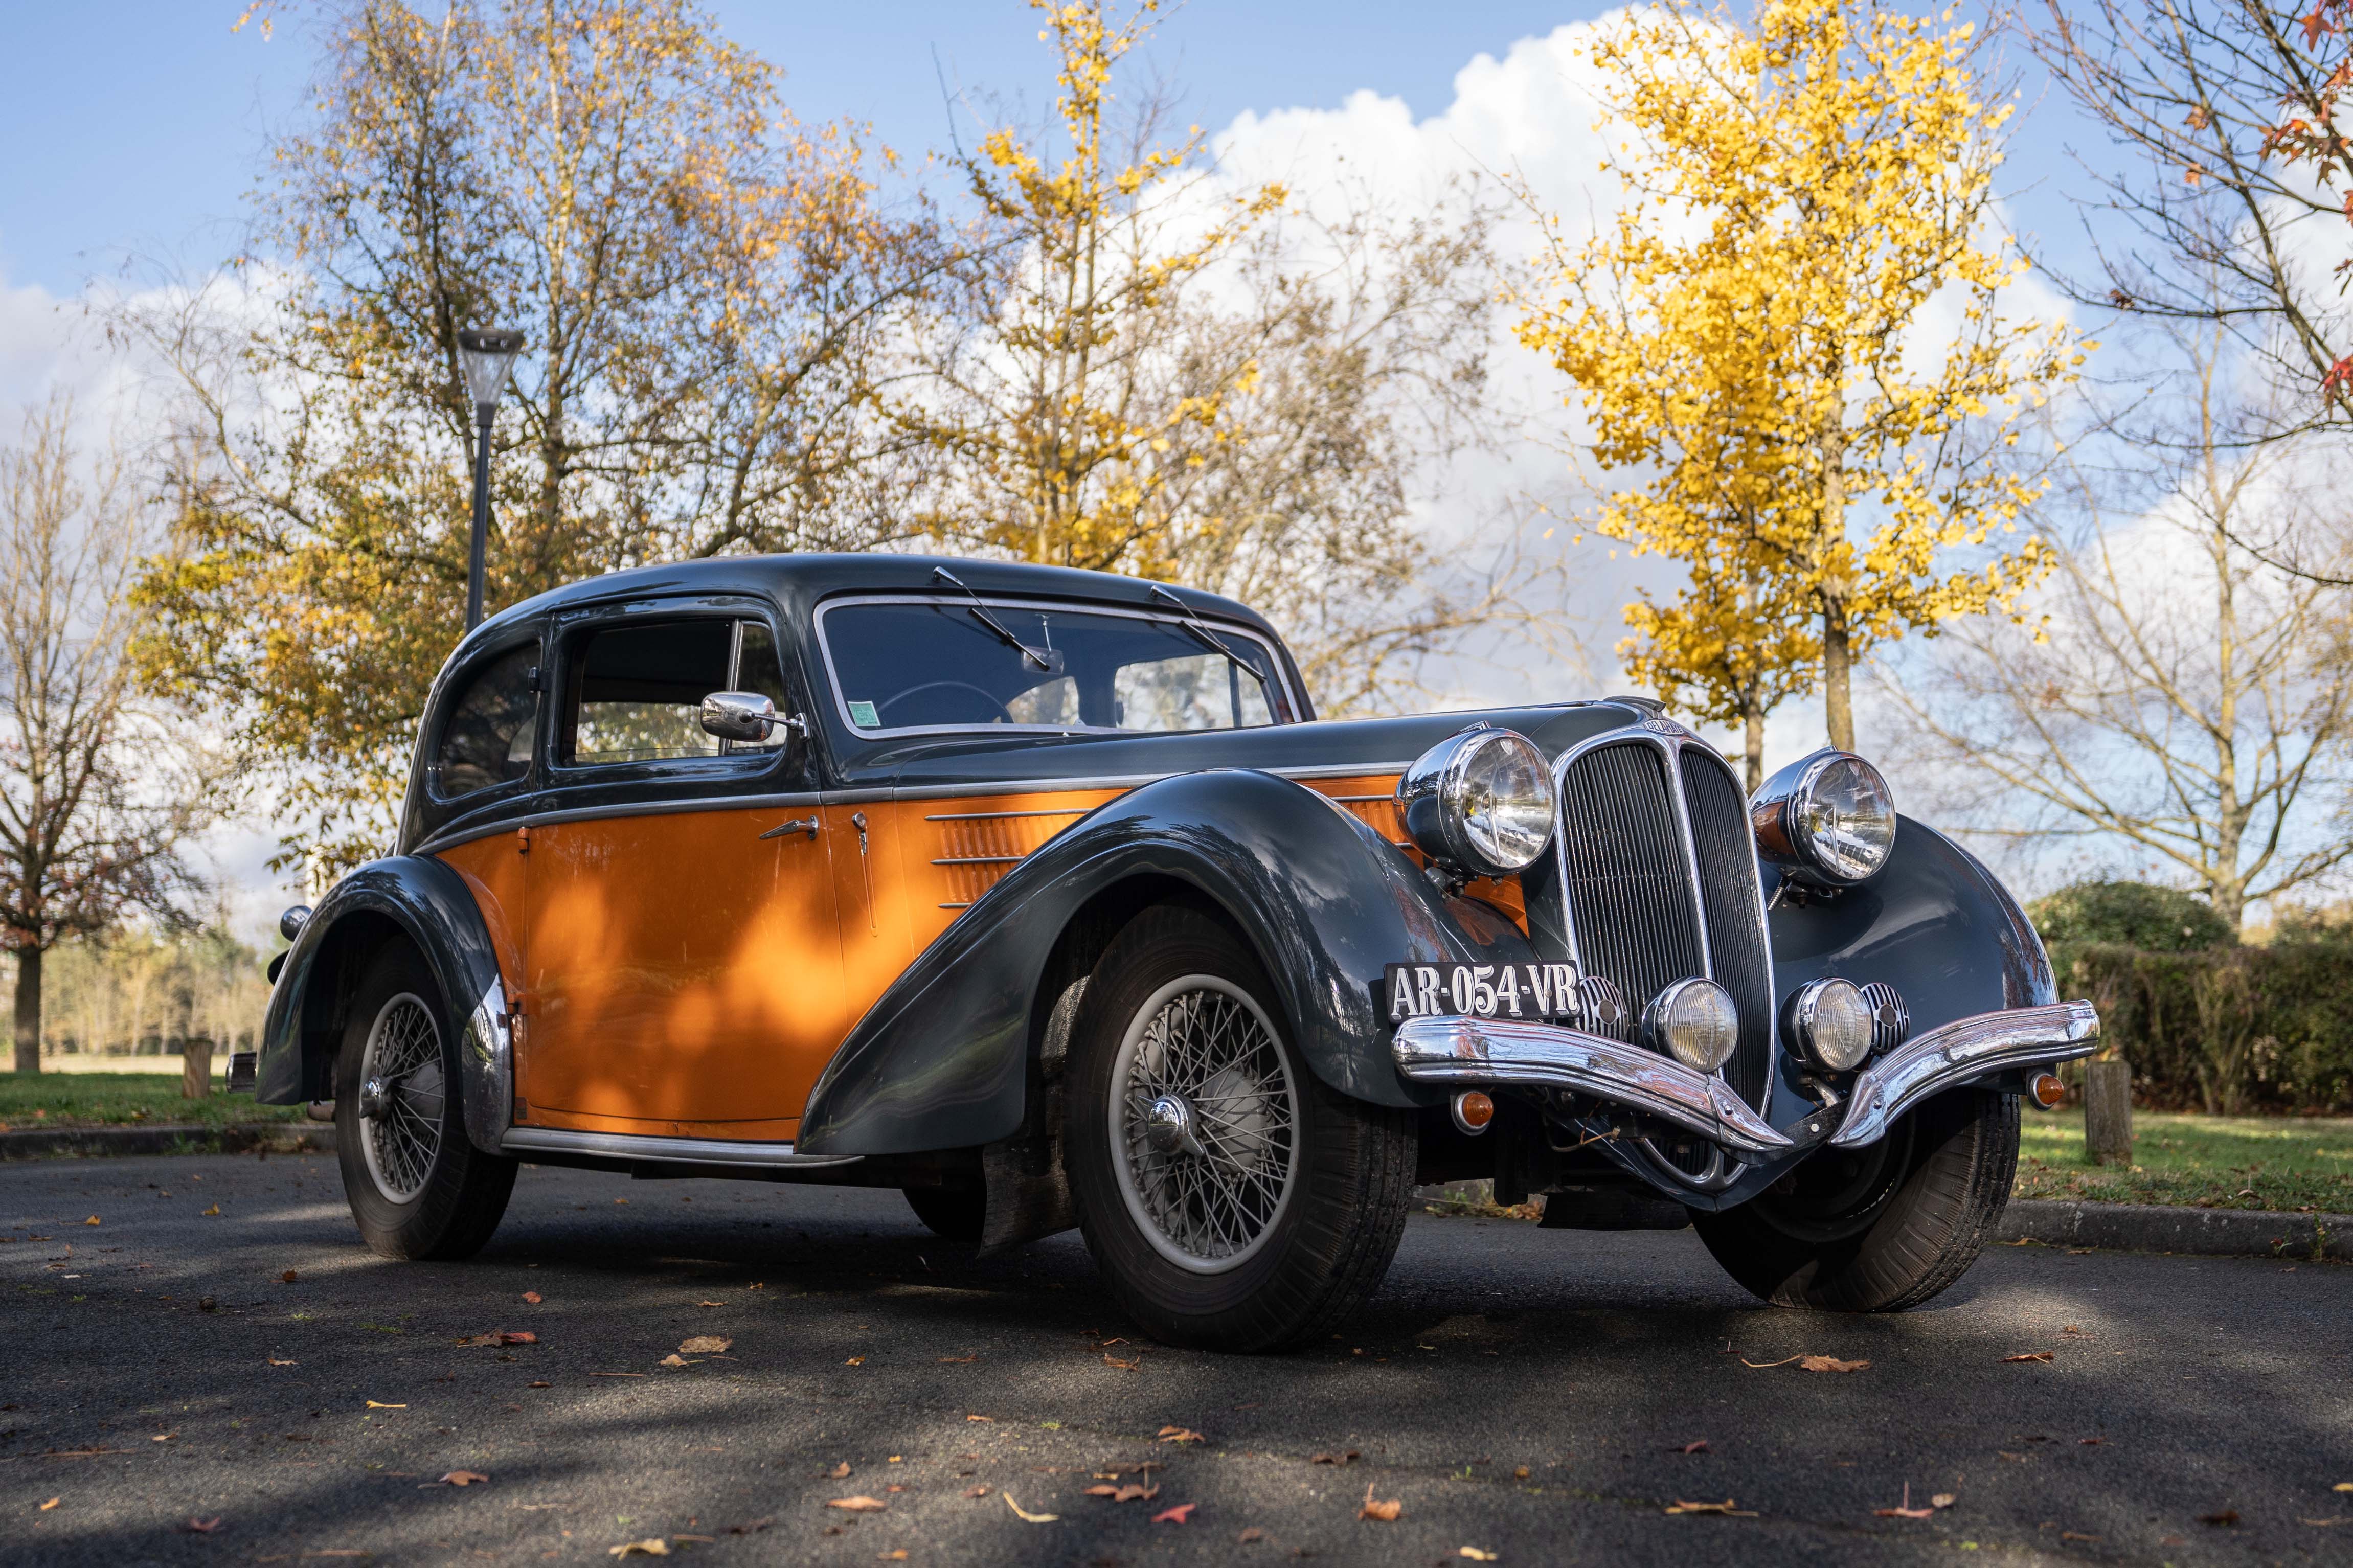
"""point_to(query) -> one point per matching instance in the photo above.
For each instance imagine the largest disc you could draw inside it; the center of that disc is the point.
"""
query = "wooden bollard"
(2107, 1110)
(196, 1068)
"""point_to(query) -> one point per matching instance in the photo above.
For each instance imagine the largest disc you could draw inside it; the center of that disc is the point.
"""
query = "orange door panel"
(685, 975)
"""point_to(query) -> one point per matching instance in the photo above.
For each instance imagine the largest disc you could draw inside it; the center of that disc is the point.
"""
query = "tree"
(1749, 328)
(1728, 649)
(707, 290)
(2243, 179)
(2182, 695)
(96, 796)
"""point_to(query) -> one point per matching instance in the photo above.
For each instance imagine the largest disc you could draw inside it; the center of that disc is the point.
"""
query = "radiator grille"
(1735, 943)
(1630, 899)
(1629, 886)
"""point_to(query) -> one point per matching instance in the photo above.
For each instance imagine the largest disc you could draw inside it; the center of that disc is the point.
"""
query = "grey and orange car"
(1044, 897)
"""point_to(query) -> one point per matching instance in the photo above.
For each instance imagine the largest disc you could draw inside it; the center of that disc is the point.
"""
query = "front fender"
(940, 1059)
(425, 900)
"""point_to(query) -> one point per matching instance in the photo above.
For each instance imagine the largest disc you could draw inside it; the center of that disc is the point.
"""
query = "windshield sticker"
(863, 714)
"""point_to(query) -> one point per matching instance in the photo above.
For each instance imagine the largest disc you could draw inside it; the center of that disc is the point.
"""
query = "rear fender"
(942, 1059)
(426, 901)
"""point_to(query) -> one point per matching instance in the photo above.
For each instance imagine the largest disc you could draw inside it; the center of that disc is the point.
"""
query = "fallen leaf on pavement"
(541, 1385)
(1386, 1511)
(1724, 1508)
(839, 1471)
(91, 1220)
(275, 1362)
(2342, 1487)
(1025, 1513)
(531, 1297)
(374, 1405)
(1132, 1492)
(975, 1491)
(896, 1555)
(498, 1337)
(2089, 1442)
(1250, 1534)
(289, 1276)
(1697, 1446)
(464, 1478)
(855, 1360)
(2316, 1523)
(1179, 1435)
(859, 1504)
(1176, 1515)
(2228, 1516)
(2028, 1355)
(710, 1303)
(1334, 1458)
(1135, 1365)
(651, 1546)
(1830, 1363)
(214, 1210)
(704, 1344)
(958, 1359)
(980, 1417)
(1475, 1555)
(51, 1504)
(1942, 1499)
(1905, 1510)
(2076, 1535)
(163, 1436)
(195, 1526)
(676, 1360)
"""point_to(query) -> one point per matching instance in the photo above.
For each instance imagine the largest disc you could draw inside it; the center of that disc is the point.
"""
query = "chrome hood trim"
(1961, 1050)
(1495, 1050)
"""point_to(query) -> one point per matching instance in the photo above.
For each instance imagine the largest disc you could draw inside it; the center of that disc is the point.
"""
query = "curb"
(2147, 1227)
(269, 1137)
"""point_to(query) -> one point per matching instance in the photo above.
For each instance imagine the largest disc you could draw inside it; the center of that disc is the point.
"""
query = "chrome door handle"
(808, 824)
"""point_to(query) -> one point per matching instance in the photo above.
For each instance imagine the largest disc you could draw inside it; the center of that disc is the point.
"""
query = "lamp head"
(488, 354)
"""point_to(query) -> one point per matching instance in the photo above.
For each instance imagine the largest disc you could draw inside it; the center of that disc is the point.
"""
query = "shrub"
(2132, 914)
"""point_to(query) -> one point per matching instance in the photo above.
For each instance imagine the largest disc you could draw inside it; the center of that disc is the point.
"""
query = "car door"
(681, 951)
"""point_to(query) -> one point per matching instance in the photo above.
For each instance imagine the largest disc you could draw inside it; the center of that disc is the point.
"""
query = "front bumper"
(1468, 1052)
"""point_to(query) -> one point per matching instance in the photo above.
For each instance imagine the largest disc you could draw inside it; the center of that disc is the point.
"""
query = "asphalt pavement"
(215, 1371)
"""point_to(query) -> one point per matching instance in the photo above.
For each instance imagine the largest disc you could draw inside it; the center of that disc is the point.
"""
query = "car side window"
(488, 740)
(637, 690)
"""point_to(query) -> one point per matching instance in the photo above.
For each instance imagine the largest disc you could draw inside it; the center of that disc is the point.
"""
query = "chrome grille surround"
(1657, 881)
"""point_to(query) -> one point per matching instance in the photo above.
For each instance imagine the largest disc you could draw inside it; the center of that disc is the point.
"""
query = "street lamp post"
(488, 356)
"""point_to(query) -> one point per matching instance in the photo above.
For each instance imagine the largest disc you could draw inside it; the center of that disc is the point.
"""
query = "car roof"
(797, 582)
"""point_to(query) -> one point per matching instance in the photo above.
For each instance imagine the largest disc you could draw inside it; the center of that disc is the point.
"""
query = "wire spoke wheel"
(404, 1097)
(1205, 1122)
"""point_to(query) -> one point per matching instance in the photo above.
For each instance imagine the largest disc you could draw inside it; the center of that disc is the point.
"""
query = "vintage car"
(1043, 896)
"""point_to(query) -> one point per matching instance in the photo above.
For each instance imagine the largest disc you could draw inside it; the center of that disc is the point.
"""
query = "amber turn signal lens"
(2045, 1089)
(1472, 1111)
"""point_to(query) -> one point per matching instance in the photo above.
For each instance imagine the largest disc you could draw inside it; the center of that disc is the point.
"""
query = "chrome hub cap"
(1204, 1124)
(403, 1097)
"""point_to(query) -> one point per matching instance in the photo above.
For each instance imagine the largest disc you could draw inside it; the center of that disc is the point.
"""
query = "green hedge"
(2228, 1030)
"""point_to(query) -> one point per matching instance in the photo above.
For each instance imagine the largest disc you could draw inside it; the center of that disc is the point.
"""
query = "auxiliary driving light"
(1828, 1022)
(1474, 1111)
(1693, 1021)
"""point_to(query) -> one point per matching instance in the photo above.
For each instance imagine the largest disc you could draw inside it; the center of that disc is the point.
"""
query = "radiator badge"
(1665, 727)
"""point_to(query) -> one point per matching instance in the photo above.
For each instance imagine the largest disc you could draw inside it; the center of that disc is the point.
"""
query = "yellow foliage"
(1747, 330)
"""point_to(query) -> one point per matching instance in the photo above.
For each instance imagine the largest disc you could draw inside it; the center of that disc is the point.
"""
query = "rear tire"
(417, 1187)
(952, 1214)
(1883, 1228)
(1256, 1207)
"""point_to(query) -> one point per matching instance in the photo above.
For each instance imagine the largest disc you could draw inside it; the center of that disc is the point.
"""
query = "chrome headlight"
(1694, 1022)
(1829, 1022)
(1480, 802)
(1829, 818)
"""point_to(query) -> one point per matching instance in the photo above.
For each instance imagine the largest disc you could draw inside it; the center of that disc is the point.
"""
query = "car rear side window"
(488, 740)
(637, 690)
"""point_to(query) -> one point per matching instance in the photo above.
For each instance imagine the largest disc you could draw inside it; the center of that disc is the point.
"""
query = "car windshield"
(939, 664)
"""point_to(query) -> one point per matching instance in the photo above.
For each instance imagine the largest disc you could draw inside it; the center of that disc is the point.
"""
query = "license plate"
(1537, 993)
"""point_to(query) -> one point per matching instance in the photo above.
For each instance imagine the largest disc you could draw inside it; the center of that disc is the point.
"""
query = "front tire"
(417, 1187)
(1883, 1228)
(1232, 1200)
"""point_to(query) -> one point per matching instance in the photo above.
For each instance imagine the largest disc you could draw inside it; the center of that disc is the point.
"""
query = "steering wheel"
(1004, 714)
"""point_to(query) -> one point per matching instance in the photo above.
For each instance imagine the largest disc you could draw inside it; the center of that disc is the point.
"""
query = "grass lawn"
(2200, 1162)
(125, 1100)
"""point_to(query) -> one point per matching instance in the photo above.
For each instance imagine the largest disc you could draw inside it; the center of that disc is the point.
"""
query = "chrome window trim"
(1670, 740)
(1276, 673)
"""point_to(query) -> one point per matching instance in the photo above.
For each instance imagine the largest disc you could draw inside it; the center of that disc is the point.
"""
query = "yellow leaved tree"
(1792, 329)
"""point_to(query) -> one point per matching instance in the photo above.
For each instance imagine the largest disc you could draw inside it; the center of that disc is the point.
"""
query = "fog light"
(1829, 1022)
(1472, 1111)
(2045, 1090)
(1694, 1022)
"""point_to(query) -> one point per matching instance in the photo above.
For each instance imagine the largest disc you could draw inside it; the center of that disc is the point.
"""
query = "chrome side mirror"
(744, 716)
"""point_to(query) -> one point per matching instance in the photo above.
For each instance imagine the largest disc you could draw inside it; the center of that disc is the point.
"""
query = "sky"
(138, 127)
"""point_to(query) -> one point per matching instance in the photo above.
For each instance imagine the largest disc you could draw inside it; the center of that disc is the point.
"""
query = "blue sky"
(136, 125)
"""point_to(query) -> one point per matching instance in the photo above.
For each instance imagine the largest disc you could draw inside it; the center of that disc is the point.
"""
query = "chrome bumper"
(1475, 1051)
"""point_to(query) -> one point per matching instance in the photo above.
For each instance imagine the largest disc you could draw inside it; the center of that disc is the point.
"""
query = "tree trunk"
(1837, 702)
(28, 1009)
(2108, 1112)
(1756, 748)
(195, 1066)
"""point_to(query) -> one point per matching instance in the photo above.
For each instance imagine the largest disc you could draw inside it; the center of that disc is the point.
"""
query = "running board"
(525, 1141)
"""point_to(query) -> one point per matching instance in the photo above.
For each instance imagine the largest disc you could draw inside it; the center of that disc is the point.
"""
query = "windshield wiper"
(1050, 660)
(1193, 624)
